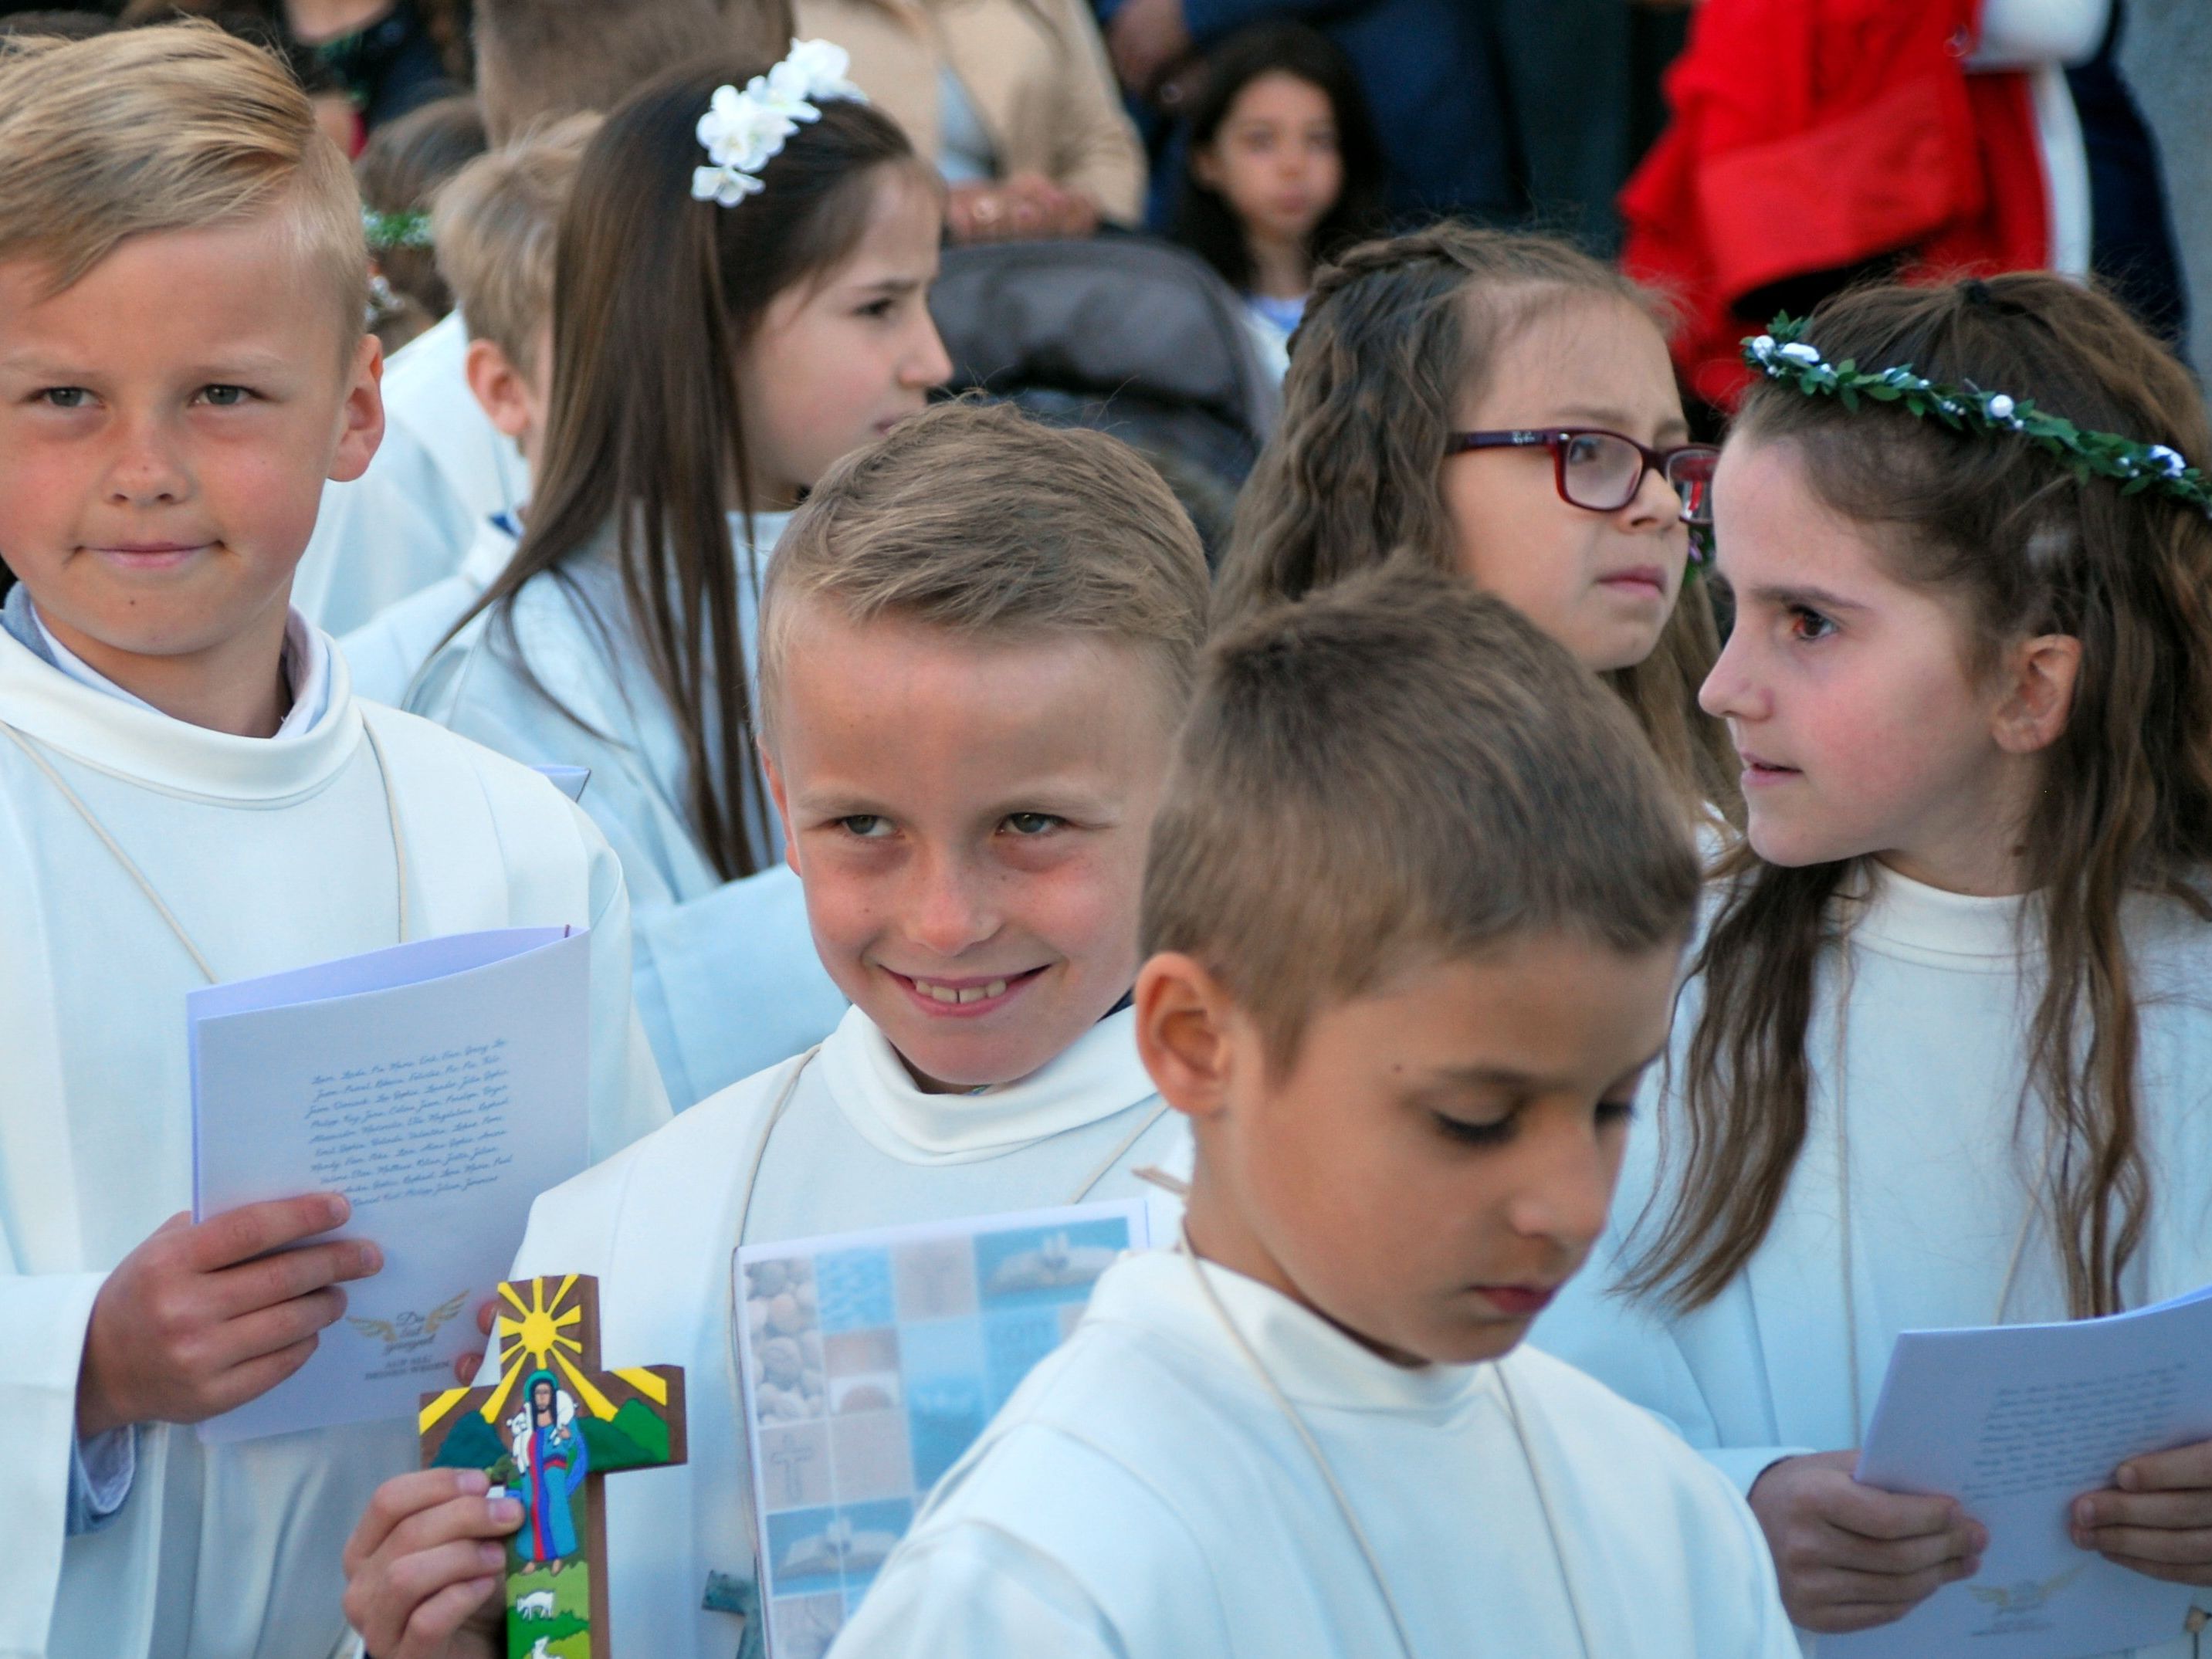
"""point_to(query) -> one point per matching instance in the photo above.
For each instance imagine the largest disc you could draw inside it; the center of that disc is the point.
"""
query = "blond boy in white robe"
(189, 793)
(977, 636)
(1417, 900)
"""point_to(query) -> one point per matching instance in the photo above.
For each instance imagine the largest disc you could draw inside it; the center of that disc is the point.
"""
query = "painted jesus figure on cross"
(553, 1461)
(568, 1423)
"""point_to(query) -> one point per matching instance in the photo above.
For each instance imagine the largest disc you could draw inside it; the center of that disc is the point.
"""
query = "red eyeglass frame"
(1554, 438)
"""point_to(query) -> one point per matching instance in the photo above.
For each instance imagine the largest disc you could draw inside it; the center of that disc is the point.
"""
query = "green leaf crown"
(386, 231)
(1783, 354)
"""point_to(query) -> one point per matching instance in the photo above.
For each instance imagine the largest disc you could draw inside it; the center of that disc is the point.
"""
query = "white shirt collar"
(1311, 1361)
(1903, 917)
(305, 662)
(1095, 1078)
(492, 551)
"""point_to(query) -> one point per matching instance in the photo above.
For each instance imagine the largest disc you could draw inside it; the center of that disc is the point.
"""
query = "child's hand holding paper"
(200, 1320)
(2156, 1517)
(1853, 1556)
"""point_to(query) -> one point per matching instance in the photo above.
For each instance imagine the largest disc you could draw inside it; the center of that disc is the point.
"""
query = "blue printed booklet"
(872, 1360)
(441, 1086)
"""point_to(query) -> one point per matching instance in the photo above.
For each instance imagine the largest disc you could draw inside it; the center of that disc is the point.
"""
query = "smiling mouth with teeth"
(997, 988)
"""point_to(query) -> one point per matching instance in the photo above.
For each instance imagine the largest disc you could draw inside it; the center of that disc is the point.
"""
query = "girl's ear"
(1205, 168)
(1183, 1015)
(2039, 676)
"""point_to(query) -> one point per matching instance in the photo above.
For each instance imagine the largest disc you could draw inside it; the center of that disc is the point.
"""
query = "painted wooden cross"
(546, 1432)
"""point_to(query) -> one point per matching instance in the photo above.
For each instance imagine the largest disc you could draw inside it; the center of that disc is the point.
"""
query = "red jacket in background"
(1813, 135)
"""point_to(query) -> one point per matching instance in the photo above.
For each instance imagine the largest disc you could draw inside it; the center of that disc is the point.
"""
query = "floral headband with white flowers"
(1783, 354)
(743, 131)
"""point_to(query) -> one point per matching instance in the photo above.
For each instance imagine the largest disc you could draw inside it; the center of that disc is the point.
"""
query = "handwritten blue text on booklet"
(441, 1086)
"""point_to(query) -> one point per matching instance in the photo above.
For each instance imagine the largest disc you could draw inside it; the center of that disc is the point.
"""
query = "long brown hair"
(1394, 334)
(2031, 548)
(655, 297)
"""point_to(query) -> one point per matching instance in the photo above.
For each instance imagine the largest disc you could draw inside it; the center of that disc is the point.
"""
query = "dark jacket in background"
(1503, 110)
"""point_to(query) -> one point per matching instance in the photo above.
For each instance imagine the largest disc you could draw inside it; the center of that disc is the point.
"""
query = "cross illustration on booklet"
(546, 1433)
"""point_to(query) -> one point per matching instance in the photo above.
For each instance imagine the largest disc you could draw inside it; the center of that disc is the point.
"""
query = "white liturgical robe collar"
(119, 733)
(1097, 1077)
(1910, 918)
(1312, 1361)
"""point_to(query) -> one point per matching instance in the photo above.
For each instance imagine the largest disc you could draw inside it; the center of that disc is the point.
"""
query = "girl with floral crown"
(741, 297)
(1945, 1058)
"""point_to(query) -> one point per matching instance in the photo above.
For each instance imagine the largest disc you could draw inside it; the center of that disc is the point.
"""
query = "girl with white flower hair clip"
(741, 297)
(1945, 1058)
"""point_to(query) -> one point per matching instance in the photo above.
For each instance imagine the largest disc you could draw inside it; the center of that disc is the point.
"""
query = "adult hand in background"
(1026, 205)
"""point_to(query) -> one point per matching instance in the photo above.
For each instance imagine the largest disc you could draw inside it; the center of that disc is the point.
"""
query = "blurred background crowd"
(1744, 156)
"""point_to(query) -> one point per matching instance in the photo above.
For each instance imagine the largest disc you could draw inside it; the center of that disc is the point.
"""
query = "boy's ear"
(2039, 699)
(1183, 1015)
(361, 418)
(498, 386)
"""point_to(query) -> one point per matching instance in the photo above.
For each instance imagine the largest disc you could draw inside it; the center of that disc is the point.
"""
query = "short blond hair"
(1398, 769)
(175, 127)
(974, 519)
(497, 224)
(178, 127)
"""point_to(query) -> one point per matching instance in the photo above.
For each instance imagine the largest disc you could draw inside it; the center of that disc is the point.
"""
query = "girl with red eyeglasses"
(1503, 404)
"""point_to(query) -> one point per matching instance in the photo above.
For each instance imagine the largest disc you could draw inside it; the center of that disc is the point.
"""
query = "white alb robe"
(272, 855)
(442, 470)
(1143, 1495)
(727, 977)
(386, 653)
(858, 1146)
(1932, 1071)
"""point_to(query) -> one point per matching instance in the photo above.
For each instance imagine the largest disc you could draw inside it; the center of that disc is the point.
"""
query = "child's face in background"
(1850, 694)
(1441, 1154)
(970, 820)
(839, 359)
(167, 424)
(1274, 158)
(1602, 584)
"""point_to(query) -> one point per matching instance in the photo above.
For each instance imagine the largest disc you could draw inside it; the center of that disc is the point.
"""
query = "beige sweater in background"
(1035, 71)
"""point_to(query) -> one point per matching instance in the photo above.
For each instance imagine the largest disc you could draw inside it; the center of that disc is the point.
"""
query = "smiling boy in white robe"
(1417, 899)
(977, 637)
(189, 793)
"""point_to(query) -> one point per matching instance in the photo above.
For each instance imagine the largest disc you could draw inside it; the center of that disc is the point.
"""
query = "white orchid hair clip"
(743, 131)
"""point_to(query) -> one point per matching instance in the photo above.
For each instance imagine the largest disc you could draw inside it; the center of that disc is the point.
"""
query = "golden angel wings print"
(408, 1325)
